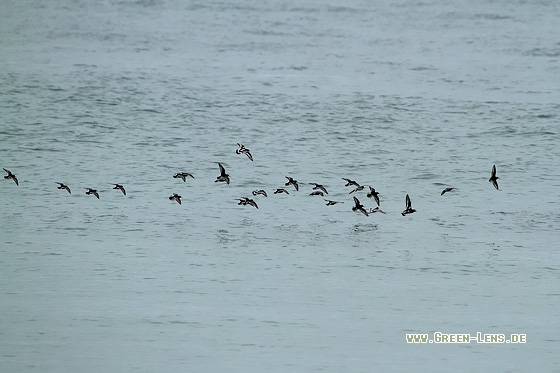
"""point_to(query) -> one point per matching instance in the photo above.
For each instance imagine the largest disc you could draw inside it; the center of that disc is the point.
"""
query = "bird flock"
(317, 189)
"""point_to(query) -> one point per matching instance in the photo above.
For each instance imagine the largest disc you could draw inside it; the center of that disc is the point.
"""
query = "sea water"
(407, 97)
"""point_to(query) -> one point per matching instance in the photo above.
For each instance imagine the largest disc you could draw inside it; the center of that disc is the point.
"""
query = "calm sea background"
(407, 96)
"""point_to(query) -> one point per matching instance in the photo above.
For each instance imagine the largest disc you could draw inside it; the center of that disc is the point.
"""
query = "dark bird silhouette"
(330, 203)
(183, 175)
(92, 191)
(121, 188)
(281, 190)
(175, 197)
(374, 210)
(350, 182)
(317, 193)
(247, 201)
(63, 186)
(446, 190)
(260, 191)
(223, 176)
(10, 175)
(358, 188)
(243, 150)
(320, 187)
(374, 194)
(409, 209)
(359, 207)
(293, 182)
(494, 179)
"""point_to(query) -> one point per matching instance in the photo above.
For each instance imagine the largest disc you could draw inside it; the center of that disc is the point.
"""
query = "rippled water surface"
(408, 97)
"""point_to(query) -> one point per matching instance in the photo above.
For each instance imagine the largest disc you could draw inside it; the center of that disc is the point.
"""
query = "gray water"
(409, 97)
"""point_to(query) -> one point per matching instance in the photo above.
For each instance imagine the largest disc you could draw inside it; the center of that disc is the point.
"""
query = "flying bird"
(374, 210)
(320, 187)
(251, 203)
(120, 187)
(317, 193)
(359, 207)
(243, 150)
(493, 179)
(92, 191)
(358, 188)
(183, 175)
(374, 194)
(330, 203)
(350, 182)
(223, 176)
(446, 190)
(10, 175)
(293, 182)
(247, 201)
(260, 191)
(175, 197)
(281, 190)
(409, 209)
(63, 186)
